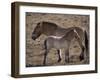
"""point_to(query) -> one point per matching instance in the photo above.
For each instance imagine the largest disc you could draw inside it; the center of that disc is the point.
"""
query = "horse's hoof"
(81, 58)
(44, 64)
(59, 60)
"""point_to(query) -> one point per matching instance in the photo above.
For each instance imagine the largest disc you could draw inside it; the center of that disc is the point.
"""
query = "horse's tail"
(86, 40)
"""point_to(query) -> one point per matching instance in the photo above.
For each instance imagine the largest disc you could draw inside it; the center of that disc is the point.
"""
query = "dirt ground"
(35, 49)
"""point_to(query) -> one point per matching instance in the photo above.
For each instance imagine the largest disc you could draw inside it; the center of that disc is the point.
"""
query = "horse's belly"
(64, 44)
(56, 45)
(60, 45)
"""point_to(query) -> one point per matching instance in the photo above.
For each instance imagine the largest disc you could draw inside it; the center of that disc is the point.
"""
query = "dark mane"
(50, 23)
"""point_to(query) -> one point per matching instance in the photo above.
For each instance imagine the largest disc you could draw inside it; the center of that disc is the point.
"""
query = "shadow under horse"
(53, 30)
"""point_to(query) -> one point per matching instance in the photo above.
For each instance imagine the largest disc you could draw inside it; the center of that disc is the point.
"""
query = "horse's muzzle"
(33, 38)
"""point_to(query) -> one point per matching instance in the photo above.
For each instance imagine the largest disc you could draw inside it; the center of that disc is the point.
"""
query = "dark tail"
(45, 54)
(86, 41)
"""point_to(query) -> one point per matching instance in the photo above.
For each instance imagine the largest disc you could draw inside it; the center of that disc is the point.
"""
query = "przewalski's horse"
(51, 29)
(62, 43)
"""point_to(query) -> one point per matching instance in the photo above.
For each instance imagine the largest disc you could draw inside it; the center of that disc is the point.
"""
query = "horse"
(52, 29)
(49, 29)
(62, 43)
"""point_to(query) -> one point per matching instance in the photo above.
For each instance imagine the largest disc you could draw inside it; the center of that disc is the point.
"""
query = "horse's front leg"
(45, 55)
(59, 55)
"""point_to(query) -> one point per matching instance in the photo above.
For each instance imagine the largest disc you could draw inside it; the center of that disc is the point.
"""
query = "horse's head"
(37, 31)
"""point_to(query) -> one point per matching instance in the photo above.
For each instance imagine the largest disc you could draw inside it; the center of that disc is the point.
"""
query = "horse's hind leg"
(59, 55)
(83, 49)
(67, 56)
(82, 53)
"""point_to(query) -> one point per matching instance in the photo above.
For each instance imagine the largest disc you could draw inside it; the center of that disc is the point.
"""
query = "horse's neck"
(48, 30)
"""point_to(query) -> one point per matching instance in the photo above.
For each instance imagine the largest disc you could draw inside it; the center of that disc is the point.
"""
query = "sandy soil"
(35, 49)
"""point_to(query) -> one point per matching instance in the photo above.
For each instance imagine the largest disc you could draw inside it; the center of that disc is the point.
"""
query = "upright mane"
(49, 23)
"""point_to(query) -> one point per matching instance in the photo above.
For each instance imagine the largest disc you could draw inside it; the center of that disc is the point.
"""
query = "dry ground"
(35, 49)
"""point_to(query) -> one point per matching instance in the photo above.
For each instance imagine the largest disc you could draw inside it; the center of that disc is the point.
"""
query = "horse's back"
(61, 31)
(52, 29)
(58, 43)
